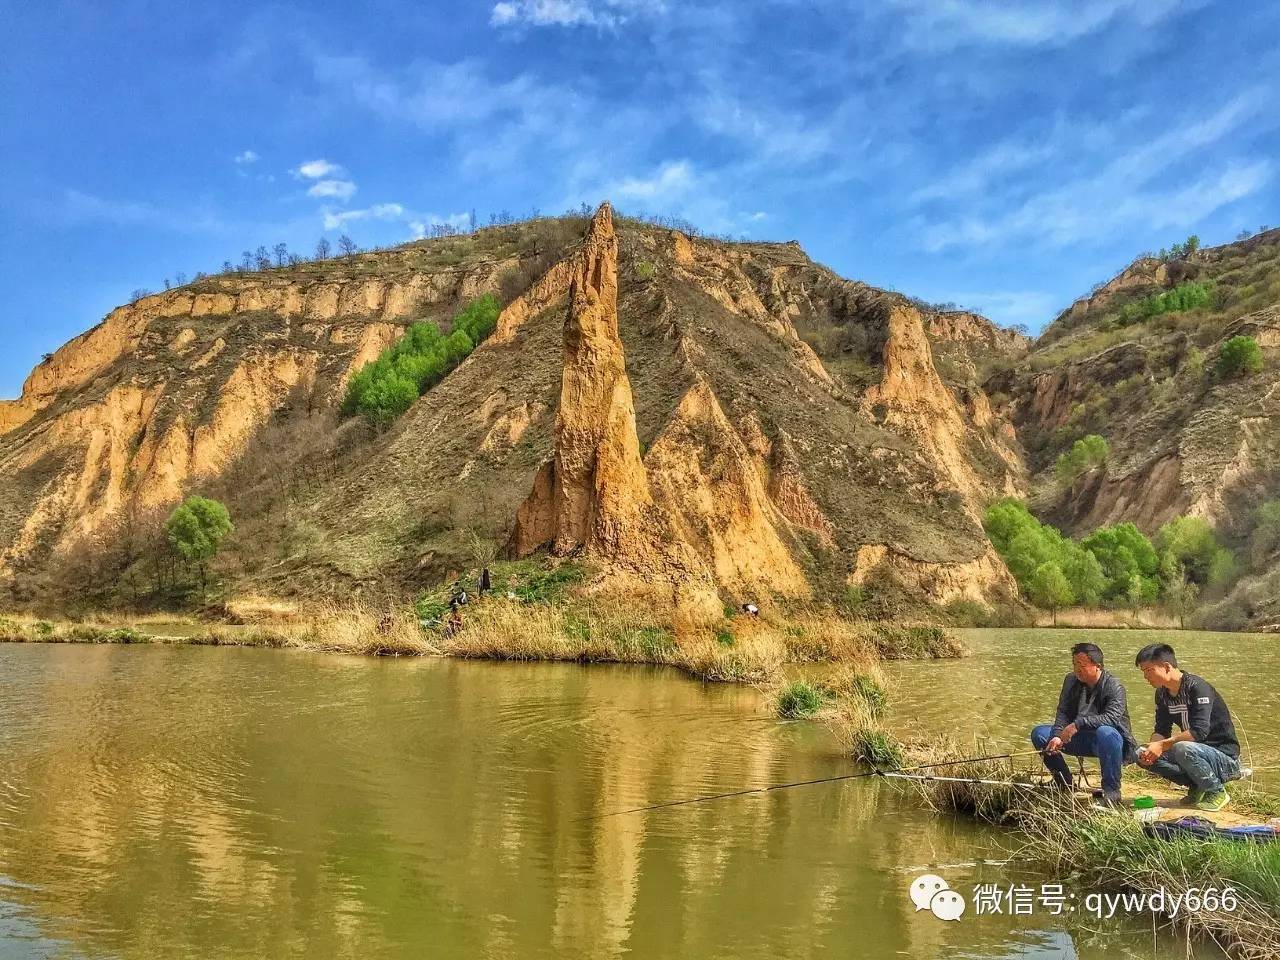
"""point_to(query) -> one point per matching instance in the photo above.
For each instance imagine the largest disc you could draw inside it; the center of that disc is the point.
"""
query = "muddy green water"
(202, 802)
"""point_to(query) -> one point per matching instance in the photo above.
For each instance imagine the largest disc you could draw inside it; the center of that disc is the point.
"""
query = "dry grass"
(353, 628)
(1098, 618)
(1114, 853)
(1002, 802)
(739, 649)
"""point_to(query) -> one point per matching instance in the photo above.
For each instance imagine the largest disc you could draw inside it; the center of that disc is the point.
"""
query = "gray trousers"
(1190, 764)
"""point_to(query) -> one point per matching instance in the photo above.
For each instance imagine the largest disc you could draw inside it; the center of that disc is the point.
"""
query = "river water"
(214, 802)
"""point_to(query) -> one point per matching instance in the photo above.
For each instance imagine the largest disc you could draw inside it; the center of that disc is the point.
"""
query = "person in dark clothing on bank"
(1204, 755)
(1092, 721)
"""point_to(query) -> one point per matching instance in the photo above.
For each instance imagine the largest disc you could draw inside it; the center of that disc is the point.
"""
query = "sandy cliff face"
(169, 391)
(593, 493)
(651, 400)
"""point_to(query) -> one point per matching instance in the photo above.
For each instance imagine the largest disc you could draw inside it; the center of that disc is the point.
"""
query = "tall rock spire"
(593, 491)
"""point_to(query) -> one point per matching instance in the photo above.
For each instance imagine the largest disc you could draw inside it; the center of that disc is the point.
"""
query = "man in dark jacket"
(1092, 721)
(1204, 754)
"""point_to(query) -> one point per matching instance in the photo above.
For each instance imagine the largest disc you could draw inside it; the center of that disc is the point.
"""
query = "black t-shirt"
(1199, 708)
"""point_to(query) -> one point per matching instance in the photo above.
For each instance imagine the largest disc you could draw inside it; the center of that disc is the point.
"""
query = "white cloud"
(336, 189)
(668, 181)
(315, 169)
(570, 13)
(245, 156)
(944, 24)
(380, 211)
(1116, 197)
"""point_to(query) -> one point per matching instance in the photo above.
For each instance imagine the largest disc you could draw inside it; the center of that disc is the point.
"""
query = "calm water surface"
(206, 802)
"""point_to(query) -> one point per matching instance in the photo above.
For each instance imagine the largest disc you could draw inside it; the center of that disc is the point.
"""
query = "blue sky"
(1004, 155)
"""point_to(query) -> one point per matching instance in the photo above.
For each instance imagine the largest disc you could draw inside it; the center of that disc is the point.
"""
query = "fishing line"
(874, 772)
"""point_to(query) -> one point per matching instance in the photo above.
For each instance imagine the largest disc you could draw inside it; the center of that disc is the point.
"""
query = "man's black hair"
(1090, 650)
(1156, 653)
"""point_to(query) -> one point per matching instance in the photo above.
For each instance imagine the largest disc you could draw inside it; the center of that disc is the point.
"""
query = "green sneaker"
(1213, 802)
(1194, 796)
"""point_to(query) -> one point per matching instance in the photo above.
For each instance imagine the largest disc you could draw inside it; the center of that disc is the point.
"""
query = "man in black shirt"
(1092, 721)
(1204, 754)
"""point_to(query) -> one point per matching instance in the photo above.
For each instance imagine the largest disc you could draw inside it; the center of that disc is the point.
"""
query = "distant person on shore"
(751, 610)
(1204, 754)
(1092, 721)
(486, 582)
(454, 623)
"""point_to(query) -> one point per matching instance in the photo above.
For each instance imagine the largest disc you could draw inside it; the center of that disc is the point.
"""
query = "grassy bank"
(1109, 852)
(738, 649)
(331, 628)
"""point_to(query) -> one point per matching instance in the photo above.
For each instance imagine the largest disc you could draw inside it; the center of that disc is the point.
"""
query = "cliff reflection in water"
(229, 803)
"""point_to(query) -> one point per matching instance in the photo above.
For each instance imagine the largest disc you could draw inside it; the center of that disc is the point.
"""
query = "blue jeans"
(1190, 764)
(1106, 743)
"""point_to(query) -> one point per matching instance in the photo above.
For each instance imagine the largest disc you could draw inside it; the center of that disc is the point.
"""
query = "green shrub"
(1191, 544)
(44, 628)
(535, 583)
(1085, 454)
(724, 637)
(800, 699)
(854, 599)
(123, 635)
(876, 748)
(384, 389)
(1185, 296)
(1239, 356)
(868, 689)
(644, 269)
(654, 642)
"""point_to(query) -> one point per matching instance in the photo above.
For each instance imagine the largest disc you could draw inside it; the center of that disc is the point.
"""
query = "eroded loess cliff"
(691, 414)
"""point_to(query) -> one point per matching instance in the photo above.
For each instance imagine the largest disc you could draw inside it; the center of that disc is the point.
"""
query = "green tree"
(1123, 552)
(1085, 574)
(385, 388)
(1180, 597)
(1239, 356)
(1050, 589)
(1134, 594)
(1190, 543)
(1085, 454)
(196, 528)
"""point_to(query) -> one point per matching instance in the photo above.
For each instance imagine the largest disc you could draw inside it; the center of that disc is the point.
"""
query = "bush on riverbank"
(801, 699)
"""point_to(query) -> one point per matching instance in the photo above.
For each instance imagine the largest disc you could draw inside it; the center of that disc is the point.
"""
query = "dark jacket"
(1197, 707)
(1107, 705)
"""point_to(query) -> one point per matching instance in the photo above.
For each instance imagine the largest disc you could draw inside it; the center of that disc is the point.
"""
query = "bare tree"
(166, 283)
(471, 220)
(282, 254)
(228, 266)
(295, 260)
(347, 246)
(246, 260)
(262, 259)
(139, 294)
(323, 250)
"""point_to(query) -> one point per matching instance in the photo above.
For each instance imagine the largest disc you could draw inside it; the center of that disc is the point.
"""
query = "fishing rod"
(873, 772)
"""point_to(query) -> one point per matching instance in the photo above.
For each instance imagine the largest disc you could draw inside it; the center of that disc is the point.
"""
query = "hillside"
(750, 463)
(1136, 363)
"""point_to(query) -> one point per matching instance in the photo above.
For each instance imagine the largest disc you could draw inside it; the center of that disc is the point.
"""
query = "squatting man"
(1092, 720)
